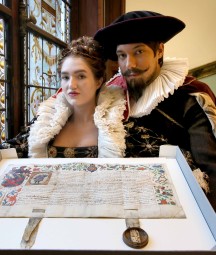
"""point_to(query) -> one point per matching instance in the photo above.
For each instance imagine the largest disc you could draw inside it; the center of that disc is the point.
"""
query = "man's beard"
(136, 88)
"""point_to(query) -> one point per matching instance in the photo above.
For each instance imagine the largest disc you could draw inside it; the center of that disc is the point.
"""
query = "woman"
(69, 124)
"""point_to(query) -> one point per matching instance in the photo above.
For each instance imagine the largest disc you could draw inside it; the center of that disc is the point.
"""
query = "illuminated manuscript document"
(88, 190)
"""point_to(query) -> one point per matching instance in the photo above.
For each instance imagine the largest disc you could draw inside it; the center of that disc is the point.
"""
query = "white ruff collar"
(54, 113)
(172, 76)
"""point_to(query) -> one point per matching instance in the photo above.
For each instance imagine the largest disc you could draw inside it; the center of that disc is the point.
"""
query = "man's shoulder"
(192, 85)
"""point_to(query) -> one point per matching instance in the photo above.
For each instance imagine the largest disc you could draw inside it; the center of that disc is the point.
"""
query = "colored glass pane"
(3, 123)
(42, 74)
(52, 16)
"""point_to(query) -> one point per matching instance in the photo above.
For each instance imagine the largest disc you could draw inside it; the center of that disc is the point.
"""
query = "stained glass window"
(42, 73)
(41, 55)
(3, 82)
(52, 16)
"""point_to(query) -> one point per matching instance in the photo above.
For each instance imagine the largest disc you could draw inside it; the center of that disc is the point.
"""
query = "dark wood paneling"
(5, 10)
(74, 19)
(204, 70)
(90, 15)
(17, 113)
(113, 9)
(87, 17)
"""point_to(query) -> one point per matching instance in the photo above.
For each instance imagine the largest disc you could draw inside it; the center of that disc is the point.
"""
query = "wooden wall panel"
(90, 15)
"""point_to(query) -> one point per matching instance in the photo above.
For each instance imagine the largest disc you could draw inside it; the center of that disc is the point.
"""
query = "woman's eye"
(65, 78)
(81, 76)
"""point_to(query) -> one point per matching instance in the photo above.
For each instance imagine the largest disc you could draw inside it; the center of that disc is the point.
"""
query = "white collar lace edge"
(172, 76)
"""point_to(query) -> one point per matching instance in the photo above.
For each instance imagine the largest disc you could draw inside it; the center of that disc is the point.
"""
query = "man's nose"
(130, 62)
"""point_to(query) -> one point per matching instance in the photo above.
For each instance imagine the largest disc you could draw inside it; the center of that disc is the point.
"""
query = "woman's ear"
(99, 83)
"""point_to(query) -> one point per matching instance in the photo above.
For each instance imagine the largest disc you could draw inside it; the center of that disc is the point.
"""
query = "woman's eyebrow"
(77, 71)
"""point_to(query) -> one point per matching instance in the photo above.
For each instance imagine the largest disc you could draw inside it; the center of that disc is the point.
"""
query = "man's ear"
(160, 50)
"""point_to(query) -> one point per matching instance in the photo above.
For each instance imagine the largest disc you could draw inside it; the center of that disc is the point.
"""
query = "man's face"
(139, 65)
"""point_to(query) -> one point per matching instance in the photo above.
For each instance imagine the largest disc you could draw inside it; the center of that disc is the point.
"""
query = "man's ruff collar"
(172, 76)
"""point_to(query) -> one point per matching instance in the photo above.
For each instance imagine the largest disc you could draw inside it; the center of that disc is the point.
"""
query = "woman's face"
(78, 82)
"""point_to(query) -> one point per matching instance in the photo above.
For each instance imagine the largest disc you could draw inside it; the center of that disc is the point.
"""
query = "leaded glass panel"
(41, 54)
(42, 77)
(52, 16)
(3, 82)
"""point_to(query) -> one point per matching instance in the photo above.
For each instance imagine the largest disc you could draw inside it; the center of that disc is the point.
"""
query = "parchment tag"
(134, 236)
(30, 233)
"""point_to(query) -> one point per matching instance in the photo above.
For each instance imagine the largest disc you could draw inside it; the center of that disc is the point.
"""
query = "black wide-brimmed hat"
(135, 27)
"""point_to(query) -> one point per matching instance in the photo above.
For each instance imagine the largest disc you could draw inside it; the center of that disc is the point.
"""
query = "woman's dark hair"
(90, 50)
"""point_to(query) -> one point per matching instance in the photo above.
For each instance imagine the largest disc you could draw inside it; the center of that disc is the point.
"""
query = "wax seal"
(135, 237)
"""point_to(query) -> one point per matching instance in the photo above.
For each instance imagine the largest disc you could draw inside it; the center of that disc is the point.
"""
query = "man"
(164, 105)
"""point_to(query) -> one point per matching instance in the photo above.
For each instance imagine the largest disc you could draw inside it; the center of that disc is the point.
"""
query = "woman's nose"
(73, 83)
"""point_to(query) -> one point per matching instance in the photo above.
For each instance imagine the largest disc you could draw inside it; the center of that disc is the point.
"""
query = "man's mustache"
(133, 71)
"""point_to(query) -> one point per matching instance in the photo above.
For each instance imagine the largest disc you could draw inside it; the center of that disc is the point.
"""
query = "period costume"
(174, 108)
(37, 138)
(54, 113)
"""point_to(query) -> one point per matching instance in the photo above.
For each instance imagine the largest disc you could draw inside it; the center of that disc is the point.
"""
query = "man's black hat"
(135, 27)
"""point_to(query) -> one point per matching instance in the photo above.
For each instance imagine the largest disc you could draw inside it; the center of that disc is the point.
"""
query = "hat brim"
(157, 28)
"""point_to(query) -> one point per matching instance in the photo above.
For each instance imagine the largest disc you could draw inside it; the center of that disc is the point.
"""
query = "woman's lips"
(73, 94)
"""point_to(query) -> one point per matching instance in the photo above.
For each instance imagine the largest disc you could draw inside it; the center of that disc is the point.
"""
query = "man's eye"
(121, 56)
(138, 52)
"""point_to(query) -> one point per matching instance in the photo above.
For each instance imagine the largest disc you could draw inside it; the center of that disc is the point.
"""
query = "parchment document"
(88, 190)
